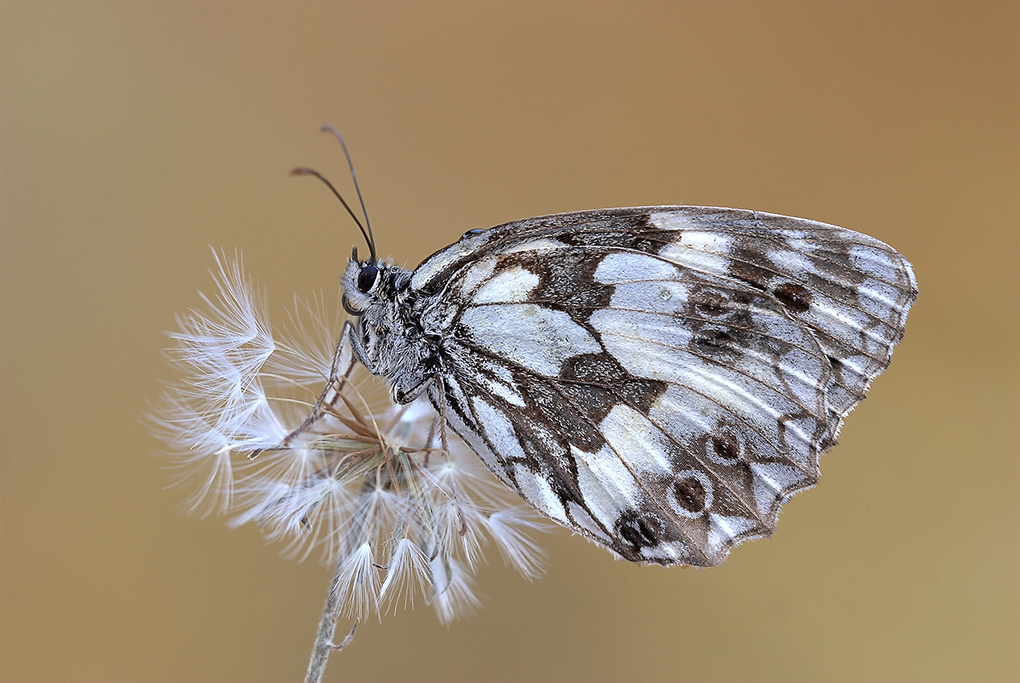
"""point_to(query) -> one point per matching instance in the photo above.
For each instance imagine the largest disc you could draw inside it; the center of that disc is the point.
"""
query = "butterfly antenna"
(313, 172)
(357, 188)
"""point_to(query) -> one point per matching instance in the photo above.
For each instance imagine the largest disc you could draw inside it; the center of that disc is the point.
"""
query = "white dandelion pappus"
(657, 379)
(366, 483)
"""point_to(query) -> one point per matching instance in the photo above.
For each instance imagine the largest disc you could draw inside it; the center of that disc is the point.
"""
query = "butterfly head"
(386, 339)
(361, 283)
(372, 289)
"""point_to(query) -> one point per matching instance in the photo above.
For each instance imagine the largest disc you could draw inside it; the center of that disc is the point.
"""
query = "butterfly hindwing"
(659, 379)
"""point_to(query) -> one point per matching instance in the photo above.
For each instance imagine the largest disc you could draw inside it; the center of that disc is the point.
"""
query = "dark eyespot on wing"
(691, 494)
(725, 446)
(639, 531)
(796, 298)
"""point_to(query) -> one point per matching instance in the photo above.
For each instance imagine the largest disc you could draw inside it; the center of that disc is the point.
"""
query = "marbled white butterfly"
(657, 379)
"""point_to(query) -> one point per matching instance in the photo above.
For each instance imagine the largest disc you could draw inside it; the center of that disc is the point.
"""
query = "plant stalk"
(327, 628)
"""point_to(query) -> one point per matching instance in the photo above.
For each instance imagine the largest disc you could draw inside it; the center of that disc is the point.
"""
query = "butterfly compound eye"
(366, 278)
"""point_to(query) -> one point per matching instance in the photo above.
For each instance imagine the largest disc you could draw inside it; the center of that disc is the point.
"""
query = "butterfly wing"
(660, 379)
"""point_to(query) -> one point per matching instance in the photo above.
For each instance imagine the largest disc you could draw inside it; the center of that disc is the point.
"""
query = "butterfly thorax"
(391, 339)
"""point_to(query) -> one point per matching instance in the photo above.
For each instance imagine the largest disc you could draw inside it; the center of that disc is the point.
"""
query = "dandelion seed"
(360, 578)
(407, 569)
(509, 529)
(453, 593)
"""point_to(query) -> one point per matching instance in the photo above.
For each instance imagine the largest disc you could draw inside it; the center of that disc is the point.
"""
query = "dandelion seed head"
(367, 486)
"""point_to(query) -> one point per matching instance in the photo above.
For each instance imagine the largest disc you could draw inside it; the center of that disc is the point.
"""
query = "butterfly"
(657, 379)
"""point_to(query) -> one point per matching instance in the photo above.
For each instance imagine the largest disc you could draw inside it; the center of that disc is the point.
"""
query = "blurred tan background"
(134, 135)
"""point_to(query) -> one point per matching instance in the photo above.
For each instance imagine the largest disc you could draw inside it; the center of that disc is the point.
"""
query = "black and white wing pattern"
(658, 379)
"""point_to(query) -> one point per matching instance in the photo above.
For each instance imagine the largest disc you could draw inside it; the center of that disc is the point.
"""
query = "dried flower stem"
(327, 629)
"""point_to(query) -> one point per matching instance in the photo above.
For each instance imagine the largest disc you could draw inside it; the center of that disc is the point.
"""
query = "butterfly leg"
(443, 441)
(334, 385)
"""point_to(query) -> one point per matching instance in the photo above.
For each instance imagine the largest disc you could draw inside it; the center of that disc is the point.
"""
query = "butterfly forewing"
(659, 379)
